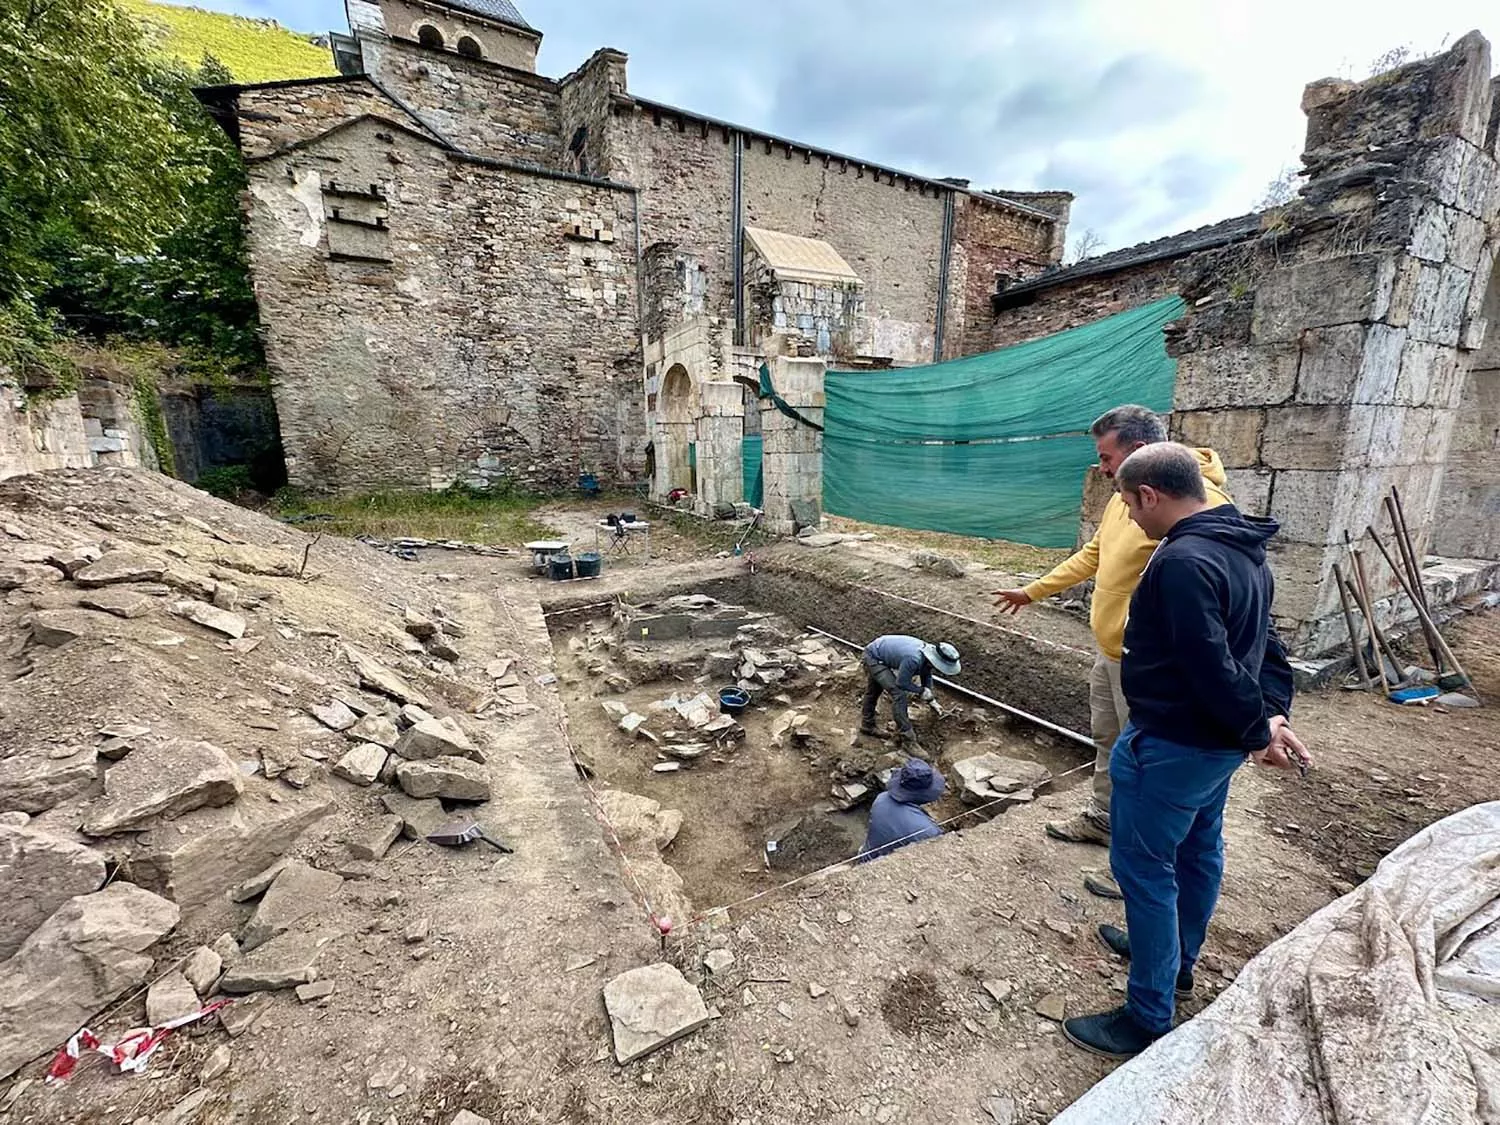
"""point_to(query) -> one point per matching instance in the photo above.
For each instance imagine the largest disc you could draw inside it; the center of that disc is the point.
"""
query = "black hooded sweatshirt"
(1202, 664)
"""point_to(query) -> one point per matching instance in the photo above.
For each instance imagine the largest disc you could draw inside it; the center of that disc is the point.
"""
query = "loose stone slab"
(377, 729)
(32, 782)
(121, 602)
(38, 873)
(120, 566)
(295, 893)
(650, 1007)
(436, 738)
(362, 765)
(420, 817)
(377, 840)
(170, 997)
(457, 779)
(175, 776)
(283, 962)
(211, 617)
(334, 715)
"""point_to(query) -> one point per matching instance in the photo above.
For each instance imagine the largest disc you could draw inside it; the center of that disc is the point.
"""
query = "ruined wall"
(270, 118)
(509, 47)
(1468, 503)
(497, 341)
(484, 108)
(586, 108)
(94, 425)
(1330, 366)
(1084, 301)
(988, 241)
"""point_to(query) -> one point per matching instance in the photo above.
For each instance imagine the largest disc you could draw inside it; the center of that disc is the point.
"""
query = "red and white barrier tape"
(130, 1054)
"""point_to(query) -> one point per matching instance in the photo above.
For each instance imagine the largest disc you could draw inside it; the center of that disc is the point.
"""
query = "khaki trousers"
(1108, 715)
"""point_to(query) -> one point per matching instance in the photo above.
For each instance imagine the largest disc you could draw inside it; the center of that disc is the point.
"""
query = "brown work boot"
(1079, 829)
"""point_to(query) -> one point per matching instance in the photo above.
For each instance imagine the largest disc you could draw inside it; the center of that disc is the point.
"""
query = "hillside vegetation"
(253, 50)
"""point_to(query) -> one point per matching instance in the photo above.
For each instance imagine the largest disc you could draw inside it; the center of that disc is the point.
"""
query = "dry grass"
(499, 519)
(1003, 555)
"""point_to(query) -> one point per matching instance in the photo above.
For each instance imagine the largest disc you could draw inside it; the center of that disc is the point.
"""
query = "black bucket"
(588, 564)
(561, 567)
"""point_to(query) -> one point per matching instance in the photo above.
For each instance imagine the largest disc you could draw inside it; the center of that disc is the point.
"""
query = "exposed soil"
(852, 997)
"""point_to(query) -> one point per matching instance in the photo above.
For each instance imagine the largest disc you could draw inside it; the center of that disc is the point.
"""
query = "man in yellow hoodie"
(1114, 558)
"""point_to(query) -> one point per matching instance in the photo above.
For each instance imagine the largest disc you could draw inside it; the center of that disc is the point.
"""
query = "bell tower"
(493, 30)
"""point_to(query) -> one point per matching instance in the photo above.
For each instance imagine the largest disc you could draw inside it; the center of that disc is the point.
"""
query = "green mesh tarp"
(750, 452)
(992, 445)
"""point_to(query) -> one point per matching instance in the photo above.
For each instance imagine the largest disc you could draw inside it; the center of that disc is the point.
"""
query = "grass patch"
(497, 518)
(1003, 555)
(254, 50)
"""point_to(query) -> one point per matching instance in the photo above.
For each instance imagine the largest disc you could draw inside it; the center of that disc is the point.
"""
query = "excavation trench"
(711, 809)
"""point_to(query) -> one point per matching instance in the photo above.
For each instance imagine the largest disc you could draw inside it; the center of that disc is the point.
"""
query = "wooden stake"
(1359, 656)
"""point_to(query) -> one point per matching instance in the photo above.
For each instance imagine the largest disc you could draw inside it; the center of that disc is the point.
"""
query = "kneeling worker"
(902, 666)
(897, 818)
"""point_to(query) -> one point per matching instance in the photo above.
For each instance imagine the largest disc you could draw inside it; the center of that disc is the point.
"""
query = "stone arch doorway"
(676, 447)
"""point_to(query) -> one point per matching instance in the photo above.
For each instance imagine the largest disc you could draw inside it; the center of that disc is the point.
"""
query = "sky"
(1159, 115)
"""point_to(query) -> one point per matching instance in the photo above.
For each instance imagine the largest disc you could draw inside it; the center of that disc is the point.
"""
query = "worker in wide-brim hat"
(902, 667)
(897, 817)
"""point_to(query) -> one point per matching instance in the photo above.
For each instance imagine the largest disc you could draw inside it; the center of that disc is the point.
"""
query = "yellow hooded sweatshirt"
(1114, 558)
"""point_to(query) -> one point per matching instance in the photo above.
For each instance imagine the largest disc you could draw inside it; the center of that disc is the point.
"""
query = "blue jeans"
(1167, 853)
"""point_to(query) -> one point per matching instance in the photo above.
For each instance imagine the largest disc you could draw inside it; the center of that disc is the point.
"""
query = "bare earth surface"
(855, 997)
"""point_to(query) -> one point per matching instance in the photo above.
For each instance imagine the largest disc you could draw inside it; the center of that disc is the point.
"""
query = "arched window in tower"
(469, 46)
(429, 36)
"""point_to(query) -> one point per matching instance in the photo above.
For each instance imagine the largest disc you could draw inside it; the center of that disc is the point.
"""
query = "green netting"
(993, 445)
(750, 454)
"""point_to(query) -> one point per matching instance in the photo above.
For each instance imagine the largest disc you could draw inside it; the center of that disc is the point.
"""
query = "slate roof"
(1239, 229)
(502, 10)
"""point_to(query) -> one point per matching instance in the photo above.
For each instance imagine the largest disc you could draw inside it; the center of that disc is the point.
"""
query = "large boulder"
(209, 851)
(640, 819)
(295, 893)
(33, 781)
(457, 779)
(38, 873)
(173, 776)
(88, 954)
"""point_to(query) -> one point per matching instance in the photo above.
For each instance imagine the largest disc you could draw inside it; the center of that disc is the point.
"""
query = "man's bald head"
(1167, 468)
(1161, 484)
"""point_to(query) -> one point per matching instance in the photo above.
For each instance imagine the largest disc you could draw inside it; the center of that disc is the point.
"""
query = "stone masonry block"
(1250, 489)
(1304, 583)
(1302, 501)
(1235, 376)
(1330, 363)
(1439, 437)
(1380, 365)
(1305, 437)
(1429, 239)
(1321, 293)
(1233, 434)
(1466, 240)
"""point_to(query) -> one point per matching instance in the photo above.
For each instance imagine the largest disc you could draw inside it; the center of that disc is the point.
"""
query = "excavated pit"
(734, 808)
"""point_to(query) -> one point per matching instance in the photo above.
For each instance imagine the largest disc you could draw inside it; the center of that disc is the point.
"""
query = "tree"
(1087, 243)
(91, 155)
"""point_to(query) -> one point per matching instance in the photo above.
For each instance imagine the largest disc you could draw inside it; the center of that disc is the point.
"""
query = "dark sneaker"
(1078, 829)
(1115, 1034)
(870, 732)
(1117, 941)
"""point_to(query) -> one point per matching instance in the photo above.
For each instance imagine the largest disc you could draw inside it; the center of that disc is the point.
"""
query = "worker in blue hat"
(897, 817)
(902, 667)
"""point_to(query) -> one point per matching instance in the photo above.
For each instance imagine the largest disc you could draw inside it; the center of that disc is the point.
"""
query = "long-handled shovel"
(465, 831)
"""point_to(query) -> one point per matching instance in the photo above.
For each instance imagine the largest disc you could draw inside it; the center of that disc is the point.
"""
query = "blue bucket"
(561, 567)
(733, 700)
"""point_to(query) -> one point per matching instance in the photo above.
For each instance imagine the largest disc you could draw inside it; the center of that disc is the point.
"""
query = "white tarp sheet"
(1383, 1008)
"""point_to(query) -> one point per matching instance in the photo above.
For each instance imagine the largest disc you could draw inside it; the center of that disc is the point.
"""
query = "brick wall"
(464, 358)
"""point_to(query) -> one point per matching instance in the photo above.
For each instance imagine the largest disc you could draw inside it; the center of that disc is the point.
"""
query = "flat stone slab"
(377, 840)
(283, 962)
(987, 777)
(120, 601)
(53, 628)
(296, 892)
(436, 738)
(376, 677)
(650, 1007)
(88, 954)
(175, 776)
(202, 968)
(170, 997)
(120, 566)
(420, 817)
(32, 782)
(232, 625)
(457, 779)
(334, 715)
(362, 765)
(377, 729)
(38, 873)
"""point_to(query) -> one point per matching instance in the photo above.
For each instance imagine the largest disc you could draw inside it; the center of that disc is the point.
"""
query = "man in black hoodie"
(1208, 684)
